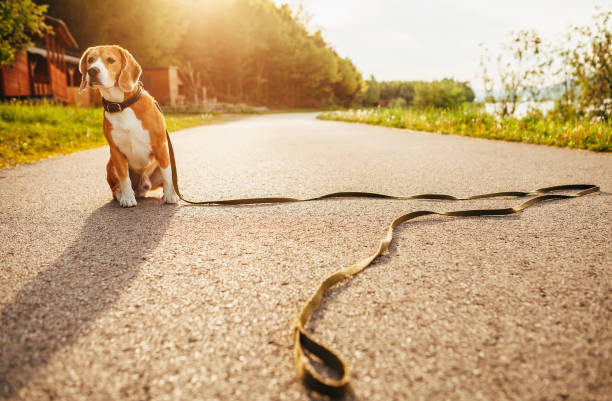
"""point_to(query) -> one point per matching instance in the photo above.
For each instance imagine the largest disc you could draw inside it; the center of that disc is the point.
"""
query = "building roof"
(62, 32)
(43, 52)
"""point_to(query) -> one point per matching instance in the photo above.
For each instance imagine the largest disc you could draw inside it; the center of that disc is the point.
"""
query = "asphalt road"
(162, 302)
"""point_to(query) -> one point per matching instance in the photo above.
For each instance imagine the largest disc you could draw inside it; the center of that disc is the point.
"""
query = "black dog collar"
(116, 107)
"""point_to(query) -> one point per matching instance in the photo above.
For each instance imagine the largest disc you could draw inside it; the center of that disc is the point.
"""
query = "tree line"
(240, 50)
(445, 93)
(249, 51)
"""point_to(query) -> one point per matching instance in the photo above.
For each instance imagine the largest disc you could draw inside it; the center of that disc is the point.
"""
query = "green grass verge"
(30, 132)
(471, 120)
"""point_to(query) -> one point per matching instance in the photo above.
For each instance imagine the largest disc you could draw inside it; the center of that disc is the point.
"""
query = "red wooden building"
(44, 72)
(164, 84)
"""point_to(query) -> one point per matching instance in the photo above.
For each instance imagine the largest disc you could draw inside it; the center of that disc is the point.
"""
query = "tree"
(192, 81)
(20, 20)
(446, 93)
(520, 68)
(397, 89)
(578, 71)
(350, 83)
(150, 29)
(591, 65)
(372, 94)
(255, 51)
(242, 50)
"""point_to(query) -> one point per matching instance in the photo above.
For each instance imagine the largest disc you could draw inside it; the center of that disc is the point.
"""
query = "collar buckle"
(116, 107)
(113, 107)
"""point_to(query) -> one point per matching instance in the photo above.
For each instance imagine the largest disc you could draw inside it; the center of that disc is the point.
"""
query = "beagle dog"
(133, 125)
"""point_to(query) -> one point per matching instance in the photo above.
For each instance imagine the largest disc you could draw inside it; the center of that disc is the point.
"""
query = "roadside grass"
(471, 120)
(33, 131)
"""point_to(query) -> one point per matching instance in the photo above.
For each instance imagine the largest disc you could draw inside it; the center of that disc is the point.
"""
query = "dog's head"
(107, 67)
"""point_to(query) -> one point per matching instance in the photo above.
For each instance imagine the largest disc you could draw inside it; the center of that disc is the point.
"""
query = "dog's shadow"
(60, 303)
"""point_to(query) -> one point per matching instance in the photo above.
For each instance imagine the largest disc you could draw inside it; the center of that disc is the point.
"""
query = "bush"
(398, 102)
(446, 93)
(472, 120)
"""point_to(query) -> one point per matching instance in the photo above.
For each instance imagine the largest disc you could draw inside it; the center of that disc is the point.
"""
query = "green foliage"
(178, 121)
(372, 93)
(577, 69)
(398, 102)
(30, 131)
(150, 29)
(350, 83)
(240, 50)
(253, 51)
(520, 66)
(471, 120)
(591, 66)
(446, 93)
(390, 90)
(20, 20)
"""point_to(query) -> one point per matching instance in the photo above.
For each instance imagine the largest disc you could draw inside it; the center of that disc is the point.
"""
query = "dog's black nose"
(93, 71)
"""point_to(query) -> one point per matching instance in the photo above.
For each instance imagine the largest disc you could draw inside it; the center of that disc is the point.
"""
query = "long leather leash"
(303, 340)
(305, 347)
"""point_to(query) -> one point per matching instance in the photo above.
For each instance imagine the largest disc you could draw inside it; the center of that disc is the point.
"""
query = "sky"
(435, 39)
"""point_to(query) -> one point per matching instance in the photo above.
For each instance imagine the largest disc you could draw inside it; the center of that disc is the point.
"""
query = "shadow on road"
(61, 302)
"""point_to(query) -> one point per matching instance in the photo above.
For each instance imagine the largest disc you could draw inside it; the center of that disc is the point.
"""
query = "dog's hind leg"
(156, 178)
(139, 183)
(147, 180)
(144, 185)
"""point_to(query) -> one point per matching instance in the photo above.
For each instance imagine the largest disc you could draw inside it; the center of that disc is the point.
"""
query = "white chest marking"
(131, 138)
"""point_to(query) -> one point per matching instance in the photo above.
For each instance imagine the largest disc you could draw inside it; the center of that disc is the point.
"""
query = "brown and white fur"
(139, 159)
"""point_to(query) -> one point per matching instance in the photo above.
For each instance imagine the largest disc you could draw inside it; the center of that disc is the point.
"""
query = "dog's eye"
(90, 60)
(110, 60)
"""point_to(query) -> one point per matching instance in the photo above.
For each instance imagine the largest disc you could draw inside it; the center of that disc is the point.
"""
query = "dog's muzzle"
(93, 73)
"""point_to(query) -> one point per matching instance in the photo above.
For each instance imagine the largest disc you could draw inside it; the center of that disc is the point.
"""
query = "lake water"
(522, 108)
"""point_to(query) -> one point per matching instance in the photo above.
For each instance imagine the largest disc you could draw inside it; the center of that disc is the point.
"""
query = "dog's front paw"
(127, 200)
(170, 197)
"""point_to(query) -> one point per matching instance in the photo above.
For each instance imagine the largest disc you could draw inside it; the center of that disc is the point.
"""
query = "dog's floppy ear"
(130, 72)
(83, 70)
